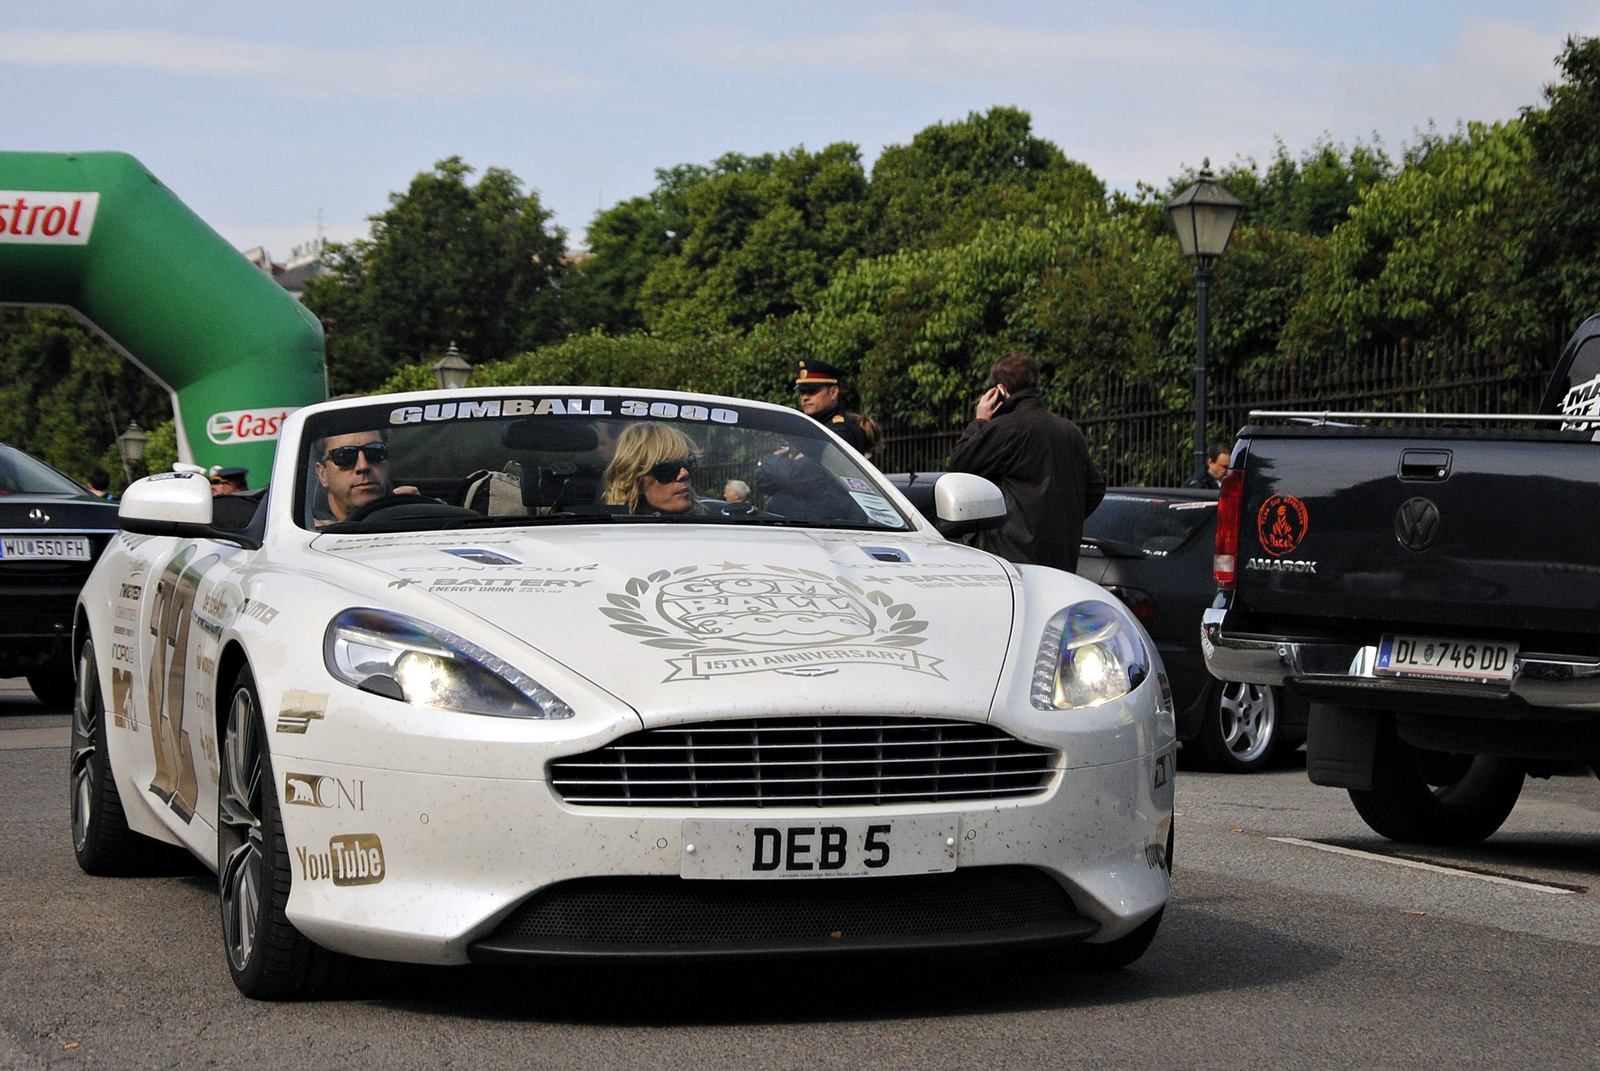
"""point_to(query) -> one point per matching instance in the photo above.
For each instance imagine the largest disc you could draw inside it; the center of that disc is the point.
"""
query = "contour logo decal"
(35, 217)
(245, 425)
(1416, 524)
(732, 619)
(1281, 524)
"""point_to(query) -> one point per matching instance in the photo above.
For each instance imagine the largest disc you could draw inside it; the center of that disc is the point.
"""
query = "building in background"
(303, 265)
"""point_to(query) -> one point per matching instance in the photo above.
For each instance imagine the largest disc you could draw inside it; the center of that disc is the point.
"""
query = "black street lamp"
(130, 446)
(451, 371)
(1203, 215)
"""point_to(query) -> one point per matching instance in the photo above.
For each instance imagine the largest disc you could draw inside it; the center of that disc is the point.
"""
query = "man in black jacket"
(1040, 461)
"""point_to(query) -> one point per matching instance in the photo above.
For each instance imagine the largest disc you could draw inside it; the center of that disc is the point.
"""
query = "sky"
(269, 118)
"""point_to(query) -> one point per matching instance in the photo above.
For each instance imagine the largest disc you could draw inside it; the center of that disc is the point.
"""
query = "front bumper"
(458, 856)
(1335, 669)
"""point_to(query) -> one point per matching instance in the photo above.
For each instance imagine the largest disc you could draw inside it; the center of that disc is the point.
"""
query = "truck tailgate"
(1471, 530)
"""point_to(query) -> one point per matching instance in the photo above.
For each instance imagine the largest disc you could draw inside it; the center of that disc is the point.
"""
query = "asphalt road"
(1274, 952)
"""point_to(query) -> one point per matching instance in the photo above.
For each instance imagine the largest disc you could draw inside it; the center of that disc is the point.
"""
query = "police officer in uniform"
(818, 384)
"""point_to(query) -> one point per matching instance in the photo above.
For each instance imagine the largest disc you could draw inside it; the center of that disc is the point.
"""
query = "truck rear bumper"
(1551, 682)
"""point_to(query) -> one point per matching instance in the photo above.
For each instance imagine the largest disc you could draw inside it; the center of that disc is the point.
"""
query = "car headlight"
(1091, 654)
(402, 658)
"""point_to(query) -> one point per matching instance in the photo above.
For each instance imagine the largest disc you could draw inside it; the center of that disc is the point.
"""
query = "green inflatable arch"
(99, 235)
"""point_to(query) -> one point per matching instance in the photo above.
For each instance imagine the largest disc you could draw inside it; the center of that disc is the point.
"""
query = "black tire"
(1433, 797)
(1115, 955)
(54, 687)
(1239, 733)
(101, 840)
(268, 957)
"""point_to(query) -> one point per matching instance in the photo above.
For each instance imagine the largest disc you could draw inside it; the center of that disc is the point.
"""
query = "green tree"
(1441, 250)
(479, 265)
(626, 243)
(1311, 195)
(765, 234)
(65, 395)
(1565, 141)
(631, 360)
(939, 189)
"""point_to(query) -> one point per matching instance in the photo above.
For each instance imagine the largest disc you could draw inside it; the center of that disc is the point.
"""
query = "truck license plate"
(1481, 661)
(817, 847)
(58, 548)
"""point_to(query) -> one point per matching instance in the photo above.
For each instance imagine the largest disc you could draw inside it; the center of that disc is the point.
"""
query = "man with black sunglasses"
(354, 469)
(818, 385)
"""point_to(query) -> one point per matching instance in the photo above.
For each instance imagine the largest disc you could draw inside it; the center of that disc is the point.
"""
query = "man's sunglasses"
(811, 388)
(667, 471)
(345, 456)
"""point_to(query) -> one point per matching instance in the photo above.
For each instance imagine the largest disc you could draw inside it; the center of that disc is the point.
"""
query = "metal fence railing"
(1139, 439)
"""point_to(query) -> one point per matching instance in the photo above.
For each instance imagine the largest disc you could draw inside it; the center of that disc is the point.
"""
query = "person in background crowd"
(1216, 467)
(99, 481)
(736, 491)
(818, 385)
(228, 480)
(1040, 461)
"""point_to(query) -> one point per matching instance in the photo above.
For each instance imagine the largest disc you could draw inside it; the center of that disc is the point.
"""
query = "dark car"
(1152, 549)
(51, 533)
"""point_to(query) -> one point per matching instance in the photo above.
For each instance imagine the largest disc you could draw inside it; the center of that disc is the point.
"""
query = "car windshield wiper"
(1113, 548)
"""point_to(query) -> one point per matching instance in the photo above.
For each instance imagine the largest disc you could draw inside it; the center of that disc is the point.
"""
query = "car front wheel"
(53, 687)
(269, 958)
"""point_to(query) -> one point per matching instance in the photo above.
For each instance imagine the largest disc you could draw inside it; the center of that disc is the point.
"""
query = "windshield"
(505, 459)
(22, 474)
(1150, 521)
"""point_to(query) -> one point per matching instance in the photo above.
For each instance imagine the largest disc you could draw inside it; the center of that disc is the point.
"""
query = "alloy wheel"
(239, 839)
(1249, 719)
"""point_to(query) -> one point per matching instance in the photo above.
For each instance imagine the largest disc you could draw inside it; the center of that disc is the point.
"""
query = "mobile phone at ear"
(1001, 387)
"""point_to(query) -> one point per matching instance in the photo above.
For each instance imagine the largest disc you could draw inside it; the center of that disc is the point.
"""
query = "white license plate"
(817, 847)
(1443, 657)
(57, 548)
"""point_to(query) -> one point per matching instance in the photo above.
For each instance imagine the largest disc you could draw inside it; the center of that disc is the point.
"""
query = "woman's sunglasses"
(345, 456)
(667, 471)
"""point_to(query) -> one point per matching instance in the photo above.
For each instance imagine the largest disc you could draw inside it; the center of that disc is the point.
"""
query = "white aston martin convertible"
(532, 673)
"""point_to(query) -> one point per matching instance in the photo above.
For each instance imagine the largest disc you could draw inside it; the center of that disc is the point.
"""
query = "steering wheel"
(433, 507)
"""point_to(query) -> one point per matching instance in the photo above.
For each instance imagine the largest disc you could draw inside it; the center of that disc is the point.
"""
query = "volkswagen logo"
(1416, 524)
(38, 516)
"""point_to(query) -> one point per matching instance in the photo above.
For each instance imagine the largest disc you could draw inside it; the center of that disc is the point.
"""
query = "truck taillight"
(1225, 563)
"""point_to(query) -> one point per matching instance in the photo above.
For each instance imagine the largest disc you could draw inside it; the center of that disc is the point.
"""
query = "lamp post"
(451, 371)
(1203, 215)
(130, 445)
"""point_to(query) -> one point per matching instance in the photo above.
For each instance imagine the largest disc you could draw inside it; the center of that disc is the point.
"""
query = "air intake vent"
(828, 762)
(600, 914)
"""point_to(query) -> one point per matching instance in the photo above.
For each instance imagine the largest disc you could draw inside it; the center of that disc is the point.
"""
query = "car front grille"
(825, 762)
(672, 911)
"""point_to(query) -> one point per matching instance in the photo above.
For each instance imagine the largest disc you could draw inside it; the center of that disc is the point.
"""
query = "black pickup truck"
(1431, 585)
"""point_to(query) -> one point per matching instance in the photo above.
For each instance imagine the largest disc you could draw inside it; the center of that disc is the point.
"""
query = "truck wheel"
(1240, 731)
(1434, 797)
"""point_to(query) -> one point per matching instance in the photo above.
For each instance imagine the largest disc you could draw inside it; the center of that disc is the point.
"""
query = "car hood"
(684, 623)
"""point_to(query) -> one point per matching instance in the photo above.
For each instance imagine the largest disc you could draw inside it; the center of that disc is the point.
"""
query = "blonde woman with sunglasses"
(652, 470)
